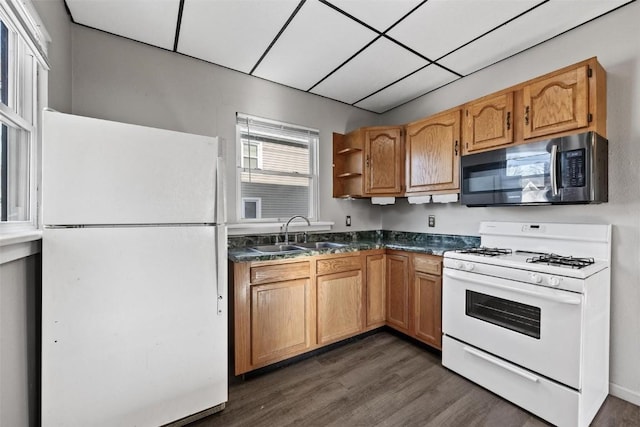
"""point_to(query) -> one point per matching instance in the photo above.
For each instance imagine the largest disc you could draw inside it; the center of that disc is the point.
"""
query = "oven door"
(532, 326)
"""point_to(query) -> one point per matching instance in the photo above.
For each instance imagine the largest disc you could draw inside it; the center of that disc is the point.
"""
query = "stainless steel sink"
(321, 245)
(278, 249)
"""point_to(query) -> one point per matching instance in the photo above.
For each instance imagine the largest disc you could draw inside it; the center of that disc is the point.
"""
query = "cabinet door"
(557, 104)
(280, 314)
(398, 292)
(428, 301)
(383, 161)
(375, 289)
(339, 305)
(433, 153)
(488, 123)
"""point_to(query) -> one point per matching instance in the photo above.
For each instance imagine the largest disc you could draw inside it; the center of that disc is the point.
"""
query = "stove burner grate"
(567, 261)
(485, 251)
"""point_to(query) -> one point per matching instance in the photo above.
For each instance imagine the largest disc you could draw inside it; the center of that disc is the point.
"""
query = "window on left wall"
(22, 60)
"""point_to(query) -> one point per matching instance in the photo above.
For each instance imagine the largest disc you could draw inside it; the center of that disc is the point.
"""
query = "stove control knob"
(535, 278)
(459, 265)
(554, 281)
(469, 266)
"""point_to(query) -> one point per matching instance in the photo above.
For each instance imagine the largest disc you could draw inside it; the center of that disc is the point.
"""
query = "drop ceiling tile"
(315, 43)
(429, 78)
(378, 65)
(558, 16)
(152, 22)
(380, 14)
(440, 26)
(232, 33)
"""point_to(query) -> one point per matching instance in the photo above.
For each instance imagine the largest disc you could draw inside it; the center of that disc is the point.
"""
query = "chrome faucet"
(286, 227)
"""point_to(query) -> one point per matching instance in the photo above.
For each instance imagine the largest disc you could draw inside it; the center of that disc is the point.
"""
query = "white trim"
(276, 227)
(257, 201)
(26, 22)
(19, 245)
(624, 393)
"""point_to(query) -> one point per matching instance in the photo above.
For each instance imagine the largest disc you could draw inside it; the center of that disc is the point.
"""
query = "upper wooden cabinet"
(557, 103)
(383, 161)
(570, 100)
(488, 122)
(368, 162)
(348, 164)
(433, 153)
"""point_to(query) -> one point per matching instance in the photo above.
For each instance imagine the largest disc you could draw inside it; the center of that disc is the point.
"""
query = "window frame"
(313, 173)
(27, 92)
(257, 201)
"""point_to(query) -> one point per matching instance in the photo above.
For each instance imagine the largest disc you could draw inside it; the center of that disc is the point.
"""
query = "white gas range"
(527, 316)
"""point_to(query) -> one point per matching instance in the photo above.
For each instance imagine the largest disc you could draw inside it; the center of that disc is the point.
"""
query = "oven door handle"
(501, 364)
(561, 300)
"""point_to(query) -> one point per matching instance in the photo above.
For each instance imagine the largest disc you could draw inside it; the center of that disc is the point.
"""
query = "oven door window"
(518, 317)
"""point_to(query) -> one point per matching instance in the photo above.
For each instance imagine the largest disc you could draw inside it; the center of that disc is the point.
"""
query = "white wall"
(118, 79)
(614, 40)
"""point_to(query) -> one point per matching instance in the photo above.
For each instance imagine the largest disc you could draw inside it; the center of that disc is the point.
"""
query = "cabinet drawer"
(336, 265)
(427, 264)
(279, 272)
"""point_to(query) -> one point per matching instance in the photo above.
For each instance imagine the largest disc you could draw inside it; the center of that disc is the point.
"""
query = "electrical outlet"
(347, 221)
(432, 220)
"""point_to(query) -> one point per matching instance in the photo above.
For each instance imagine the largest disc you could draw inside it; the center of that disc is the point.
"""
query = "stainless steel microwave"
(566, 170)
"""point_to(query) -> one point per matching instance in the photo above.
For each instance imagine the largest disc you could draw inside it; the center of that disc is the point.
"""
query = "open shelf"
(348, 150)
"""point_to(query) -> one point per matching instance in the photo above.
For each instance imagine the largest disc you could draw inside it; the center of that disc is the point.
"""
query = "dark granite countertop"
(436, 244)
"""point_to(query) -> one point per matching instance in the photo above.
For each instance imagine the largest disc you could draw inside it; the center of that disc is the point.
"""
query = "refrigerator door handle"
(221, 268)
(221, 193)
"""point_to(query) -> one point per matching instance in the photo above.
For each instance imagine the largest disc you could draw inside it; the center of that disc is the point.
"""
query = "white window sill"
(16, 245)
(277, 227)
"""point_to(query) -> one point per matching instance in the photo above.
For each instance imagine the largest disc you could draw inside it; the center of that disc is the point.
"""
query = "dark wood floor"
(381, 380)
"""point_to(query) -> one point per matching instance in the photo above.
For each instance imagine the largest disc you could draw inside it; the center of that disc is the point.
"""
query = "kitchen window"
(22, 61)
(277, 170)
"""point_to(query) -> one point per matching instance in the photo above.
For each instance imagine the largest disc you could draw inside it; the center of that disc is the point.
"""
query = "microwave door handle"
(553, 169)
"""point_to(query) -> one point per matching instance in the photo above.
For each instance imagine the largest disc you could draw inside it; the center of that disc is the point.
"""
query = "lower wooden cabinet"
(398, 291)
(285, 308)
(414, 301)
(280, 320)
(339, 306)
(376, 284)
(427, 306)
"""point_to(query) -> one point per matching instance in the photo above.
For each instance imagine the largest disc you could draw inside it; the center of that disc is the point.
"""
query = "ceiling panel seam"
(337, 9)
(535, 45)
(275, 39)
(392, 83)
(345, 62)
(488, 32)
(405, 16)
(178, 25)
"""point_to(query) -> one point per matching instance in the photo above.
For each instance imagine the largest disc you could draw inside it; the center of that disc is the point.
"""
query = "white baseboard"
(624, 393)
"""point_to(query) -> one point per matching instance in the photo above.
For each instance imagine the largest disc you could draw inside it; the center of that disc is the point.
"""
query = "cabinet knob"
(455, 148)
(508, 120)
(526, 115)
(367, 160)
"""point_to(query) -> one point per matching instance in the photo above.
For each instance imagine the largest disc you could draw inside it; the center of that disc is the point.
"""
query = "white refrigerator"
(134, 275)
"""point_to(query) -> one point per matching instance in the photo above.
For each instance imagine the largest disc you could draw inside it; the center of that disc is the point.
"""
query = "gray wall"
(119, 79)
(19, 354)
(56, 21)
(613, 39)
